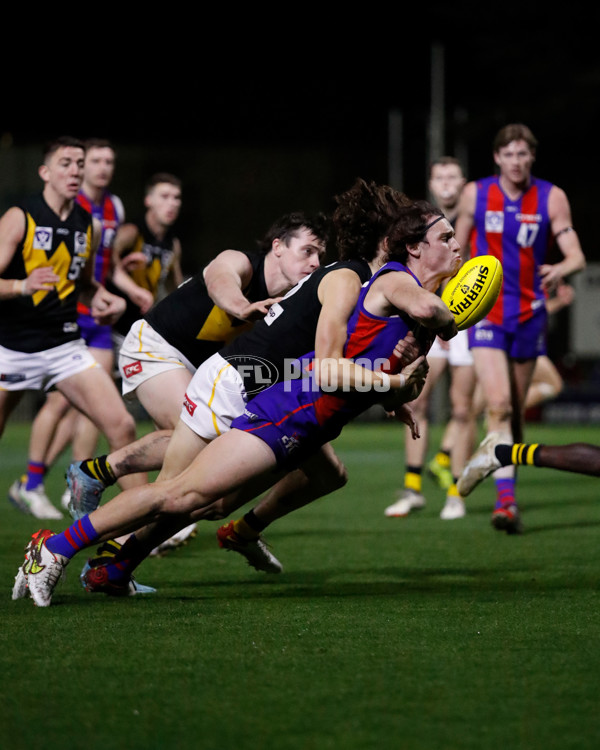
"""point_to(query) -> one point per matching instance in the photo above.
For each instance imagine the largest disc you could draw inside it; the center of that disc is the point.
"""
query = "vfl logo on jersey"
(494, 222)
(42, 239)
(189, 405)
(133, 369)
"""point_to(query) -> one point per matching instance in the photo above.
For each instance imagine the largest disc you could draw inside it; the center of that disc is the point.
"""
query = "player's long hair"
(363, 218)
(410, 228)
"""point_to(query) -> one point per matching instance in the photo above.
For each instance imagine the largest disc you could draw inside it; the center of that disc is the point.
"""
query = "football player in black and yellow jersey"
(46, 266)
(147, 253)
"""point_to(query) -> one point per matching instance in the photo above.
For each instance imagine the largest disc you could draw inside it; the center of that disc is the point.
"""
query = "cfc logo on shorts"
(189, 405)
(133, 369)
(289, 443)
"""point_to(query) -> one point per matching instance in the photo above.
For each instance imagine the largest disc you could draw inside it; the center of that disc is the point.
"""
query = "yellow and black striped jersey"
(47, 318)
(159, 254)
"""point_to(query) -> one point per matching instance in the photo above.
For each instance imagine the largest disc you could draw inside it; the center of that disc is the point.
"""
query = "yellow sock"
(443, 459)
(412, 481)
(453, 490)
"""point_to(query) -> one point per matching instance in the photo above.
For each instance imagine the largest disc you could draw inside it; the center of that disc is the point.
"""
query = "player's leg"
(461, 426)
(321, 475)
(23, 371)
(494, 380)
(239, 456)
(522, 373)
(162, 396)
(415, 451)
(579, 458)
(8, 402)
(31, 488)
(94, 393)
(546, 383)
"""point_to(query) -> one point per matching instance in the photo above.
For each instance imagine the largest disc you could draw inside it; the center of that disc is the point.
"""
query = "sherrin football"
(473, 292)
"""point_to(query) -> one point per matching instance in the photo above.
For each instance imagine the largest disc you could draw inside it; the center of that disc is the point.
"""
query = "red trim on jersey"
(495, 202)
(529, 207)
(364, 332)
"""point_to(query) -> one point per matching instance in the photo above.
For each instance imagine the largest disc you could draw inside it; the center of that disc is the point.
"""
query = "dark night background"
(263, 114)
(259, 120)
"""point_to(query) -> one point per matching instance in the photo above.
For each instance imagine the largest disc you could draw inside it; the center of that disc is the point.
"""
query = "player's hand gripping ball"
(473, 292)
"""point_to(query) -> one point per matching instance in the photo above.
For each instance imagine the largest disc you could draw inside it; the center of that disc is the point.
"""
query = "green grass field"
(397, 634)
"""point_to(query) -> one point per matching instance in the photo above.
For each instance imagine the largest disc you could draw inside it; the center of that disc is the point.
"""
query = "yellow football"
(473, 292)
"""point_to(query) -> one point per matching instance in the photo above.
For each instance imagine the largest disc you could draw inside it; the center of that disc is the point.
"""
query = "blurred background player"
(446, 181)
(147, 253)
(57, 423)
(45, 249)
(514, 216)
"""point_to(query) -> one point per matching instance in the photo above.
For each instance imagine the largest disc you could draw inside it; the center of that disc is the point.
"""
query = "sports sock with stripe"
(518, 454)
(99, 468)
(126, 560)
(505, 492)
(35, 475)
(78, 536)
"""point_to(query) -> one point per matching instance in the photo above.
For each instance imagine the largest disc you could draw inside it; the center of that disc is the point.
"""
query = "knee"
(122, 431)
(462, 414)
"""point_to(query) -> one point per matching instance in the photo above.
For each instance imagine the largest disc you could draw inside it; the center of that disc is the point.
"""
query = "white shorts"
(144, 354)
(26, 371)
(456, 351)
(214, 398)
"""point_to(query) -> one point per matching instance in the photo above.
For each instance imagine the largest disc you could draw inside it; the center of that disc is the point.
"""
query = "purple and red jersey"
(296, 417)
(518, 233)
(109, 212)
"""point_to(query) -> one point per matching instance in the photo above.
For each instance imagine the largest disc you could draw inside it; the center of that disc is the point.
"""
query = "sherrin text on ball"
(471, 294)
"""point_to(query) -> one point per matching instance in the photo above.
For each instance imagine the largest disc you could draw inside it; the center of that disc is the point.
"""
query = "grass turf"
(411, 633)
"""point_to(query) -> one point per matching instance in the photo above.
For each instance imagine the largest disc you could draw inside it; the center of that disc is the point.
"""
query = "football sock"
(413, 478)
(442, 458)
(99, 468)
(452, 491)
(79, 535)
(505, 492)
(35, 475)
(518, 454)
(244, 528)
(126, 559)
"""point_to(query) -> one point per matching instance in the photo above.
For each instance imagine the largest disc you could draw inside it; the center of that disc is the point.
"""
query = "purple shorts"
(526, 341)
(293, 420)
(95, 336)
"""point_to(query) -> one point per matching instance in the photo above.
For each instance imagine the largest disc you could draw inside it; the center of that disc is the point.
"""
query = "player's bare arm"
(559, 211)
(225, 277)
(465, 217)
(125, 239)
